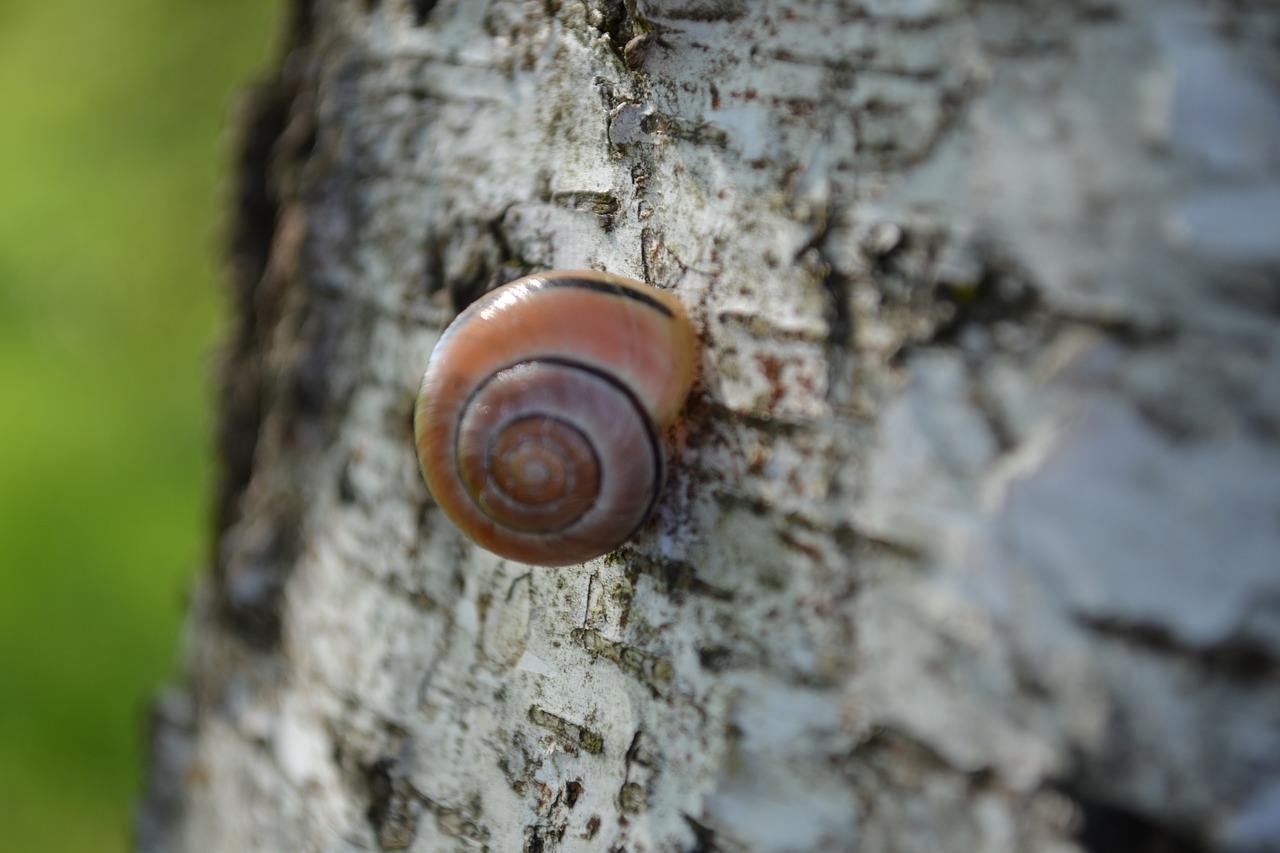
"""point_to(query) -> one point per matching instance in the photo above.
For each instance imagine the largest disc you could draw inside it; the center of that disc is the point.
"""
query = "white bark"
(972, 538)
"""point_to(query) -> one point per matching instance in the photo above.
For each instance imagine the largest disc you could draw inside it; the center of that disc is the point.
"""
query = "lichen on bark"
(969, 541)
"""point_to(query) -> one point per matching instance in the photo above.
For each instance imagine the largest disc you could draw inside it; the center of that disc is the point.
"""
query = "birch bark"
(972, 537)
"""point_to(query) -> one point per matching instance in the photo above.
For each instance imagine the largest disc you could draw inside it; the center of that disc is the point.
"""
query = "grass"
(113, 159)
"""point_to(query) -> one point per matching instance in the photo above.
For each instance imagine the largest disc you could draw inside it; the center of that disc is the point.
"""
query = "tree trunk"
(971, 538)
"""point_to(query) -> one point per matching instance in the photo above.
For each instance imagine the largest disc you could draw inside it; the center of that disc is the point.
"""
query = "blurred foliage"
(113, 175)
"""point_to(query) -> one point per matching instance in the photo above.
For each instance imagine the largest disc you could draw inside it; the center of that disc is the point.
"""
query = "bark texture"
(972, 536)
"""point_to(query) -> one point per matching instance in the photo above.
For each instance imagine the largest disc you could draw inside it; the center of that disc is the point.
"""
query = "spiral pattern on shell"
(540, 418)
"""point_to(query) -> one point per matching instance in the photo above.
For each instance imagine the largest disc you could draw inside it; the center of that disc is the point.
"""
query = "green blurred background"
(114, 158)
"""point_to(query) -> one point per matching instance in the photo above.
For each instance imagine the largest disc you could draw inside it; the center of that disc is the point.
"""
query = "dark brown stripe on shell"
(602, 287)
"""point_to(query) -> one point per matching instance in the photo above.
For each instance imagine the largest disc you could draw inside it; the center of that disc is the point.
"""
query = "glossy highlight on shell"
(540, 419)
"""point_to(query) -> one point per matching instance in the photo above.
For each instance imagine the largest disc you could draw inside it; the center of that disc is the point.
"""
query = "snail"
(540, 419)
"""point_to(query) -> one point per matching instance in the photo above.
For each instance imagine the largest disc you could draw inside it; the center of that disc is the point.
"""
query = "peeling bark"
(971, 538)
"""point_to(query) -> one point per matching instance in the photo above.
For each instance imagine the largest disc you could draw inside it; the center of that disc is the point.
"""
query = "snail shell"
(540, 419)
